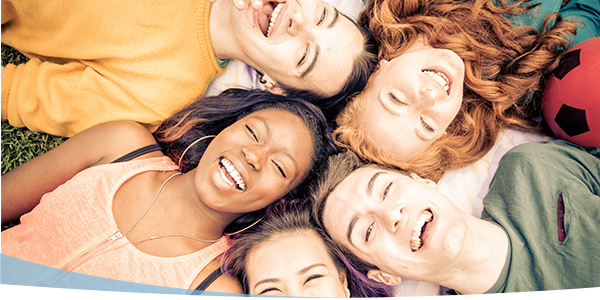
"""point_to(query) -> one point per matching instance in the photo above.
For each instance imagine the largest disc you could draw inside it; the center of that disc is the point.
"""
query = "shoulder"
(117, 138)
(226, 284)
(223, 284)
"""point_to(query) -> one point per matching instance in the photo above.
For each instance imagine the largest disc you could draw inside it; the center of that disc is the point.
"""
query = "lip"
(446, 73)
(426, 233)
(225, 178)
(278, 21)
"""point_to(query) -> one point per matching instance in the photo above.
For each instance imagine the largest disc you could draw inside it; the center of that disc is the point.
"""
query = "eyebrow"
(351, 228)
(304, 270)
(355, 217)
(267, 280)
(371, 183)
(334, 20)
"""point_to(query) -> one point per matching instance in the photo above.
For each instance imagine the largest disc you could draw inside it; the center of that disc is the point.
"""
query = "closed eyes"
(252, 133)
(387, 190)
(368, 232)
(279, 168)
(323, 17)
(426, 126)
(315, 276)
(304, 55)
(269, 290)
(396, 99)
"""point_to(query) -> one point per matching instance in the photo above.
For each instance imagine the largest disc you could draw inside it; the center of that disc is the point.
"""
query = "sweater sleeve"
(63, 99)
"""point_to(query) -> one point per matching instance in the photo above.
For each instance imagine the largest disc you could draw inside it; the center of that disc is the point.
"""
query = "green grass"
(21, 144)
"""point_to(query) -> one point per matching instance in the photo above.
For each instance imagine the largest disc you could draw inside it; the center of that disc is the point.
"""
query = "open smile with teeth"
(440, 78)
(416, 240)
(268, 16)
(231, 175)
(274, 18)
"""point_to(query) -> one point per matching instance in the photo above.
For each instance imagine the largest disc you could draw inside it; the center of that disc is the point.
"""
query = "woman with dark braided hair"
(453, 75)
(107, 202)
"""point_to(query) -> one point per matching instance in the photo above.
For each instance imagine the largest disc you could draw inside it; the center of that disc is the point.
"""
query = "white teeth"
(274, 17)
(440, 78)
(415, 241)
(233, 172)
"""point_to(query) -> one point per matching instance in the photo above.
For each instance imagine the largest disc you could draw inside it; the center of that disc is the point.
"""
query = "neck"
(484, 257)
(221, 30)
(184, 209)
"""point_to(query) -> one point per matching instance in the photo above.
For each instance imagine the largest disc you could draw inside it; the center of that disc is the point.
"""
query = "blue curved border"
(16, 271)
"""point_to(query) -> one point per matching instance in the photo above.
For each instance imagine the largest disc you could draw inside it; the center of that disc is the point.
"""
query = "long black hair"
(210, 115)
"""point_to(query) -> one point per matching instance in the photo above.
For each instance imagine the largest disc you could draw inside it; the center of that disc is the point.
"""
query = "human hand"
(242, 4)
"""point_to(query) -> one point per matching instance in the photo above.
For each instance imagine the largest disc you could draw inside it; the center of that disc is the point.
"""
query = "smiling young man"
(100, 61)
(537, 232)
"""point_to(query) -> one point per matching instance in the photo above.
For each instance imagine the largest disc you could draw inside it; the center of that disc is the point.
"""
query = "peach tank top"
(73, 228)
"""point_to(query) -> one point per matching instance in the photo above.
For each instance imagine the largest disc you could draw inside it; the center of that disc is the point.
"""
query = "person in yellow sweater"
(94, 61)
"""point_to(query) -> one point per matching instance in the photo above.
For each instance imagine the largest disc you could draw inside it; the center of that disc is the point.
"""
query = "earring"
(261, 79)
(192, 144)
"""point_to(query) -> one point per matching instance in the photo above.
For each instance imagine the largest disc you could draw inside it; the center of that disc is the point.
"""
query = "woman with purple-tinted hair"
(286, 254)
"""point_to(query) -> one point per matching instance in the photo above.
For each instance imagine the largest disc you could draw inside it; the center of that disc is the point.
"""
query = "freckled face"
(254, 162)
(294, 264)
(412, 99)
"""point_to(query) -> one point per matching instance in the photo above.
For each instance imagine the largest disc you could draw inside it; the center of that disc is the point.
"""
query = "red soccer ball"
(571, 101)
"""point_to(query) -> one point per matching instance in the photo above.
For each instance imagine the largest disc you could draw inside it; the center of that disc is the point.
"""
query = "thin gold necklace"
(166, 235)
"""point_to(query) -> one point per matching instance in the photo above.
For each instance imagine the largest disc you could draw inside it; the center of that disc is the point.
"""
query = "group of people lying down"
(331, 175)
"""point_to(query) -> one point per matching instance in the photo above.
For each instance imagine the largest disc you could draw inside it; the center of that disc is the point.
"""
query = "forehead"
(353, 193)
(290, 251)
(338, 46)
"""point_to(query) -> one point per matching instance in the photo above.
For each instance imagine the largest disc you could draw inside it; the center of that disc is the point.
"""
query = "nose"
(254, 155)
(426, 97)
(296, 23)
(393, 218)
(299, 291)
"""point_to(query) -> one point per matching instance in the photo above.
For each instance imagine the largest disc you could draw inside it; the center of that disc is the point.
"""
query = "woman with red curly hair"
(453, 74)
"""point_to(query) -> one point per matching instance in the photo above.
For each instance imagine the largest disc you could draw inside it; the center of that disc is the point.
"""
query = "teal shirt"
(587, 11)
(524, 200)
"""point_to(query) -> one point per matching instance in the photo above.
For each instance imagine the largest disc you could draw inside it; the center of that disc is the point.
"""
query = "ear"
(383, 277)
(344, 281)
(424, 180)
(272, 86)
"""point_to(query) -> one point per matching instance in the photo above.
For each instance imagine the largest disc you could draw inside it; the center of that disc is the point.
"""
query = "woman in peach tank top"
(99, 204)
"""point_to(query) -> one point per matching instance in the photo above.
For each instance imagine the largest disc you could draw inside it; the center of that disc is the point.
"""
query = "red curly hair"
(505, 67)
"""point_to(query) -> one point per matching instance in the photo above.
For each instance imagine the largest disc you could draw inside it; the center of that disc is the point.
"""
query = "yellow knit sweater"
(97, 61)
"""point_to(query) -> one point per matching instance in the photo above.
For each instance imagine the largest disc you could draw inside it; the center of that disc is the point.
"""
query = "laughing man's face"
(304, 44)
(399, 223)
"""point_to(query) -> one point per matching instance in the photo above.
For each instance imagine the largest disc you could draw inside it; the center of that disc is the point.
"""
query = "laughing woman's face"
(294, 264)
(254, 162)
(412, 99)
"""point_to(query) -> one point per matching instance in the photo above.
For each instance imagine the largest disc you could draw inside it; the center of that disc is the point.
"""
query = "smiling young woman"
(111, 187)
(287, 255)
(506, 49)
